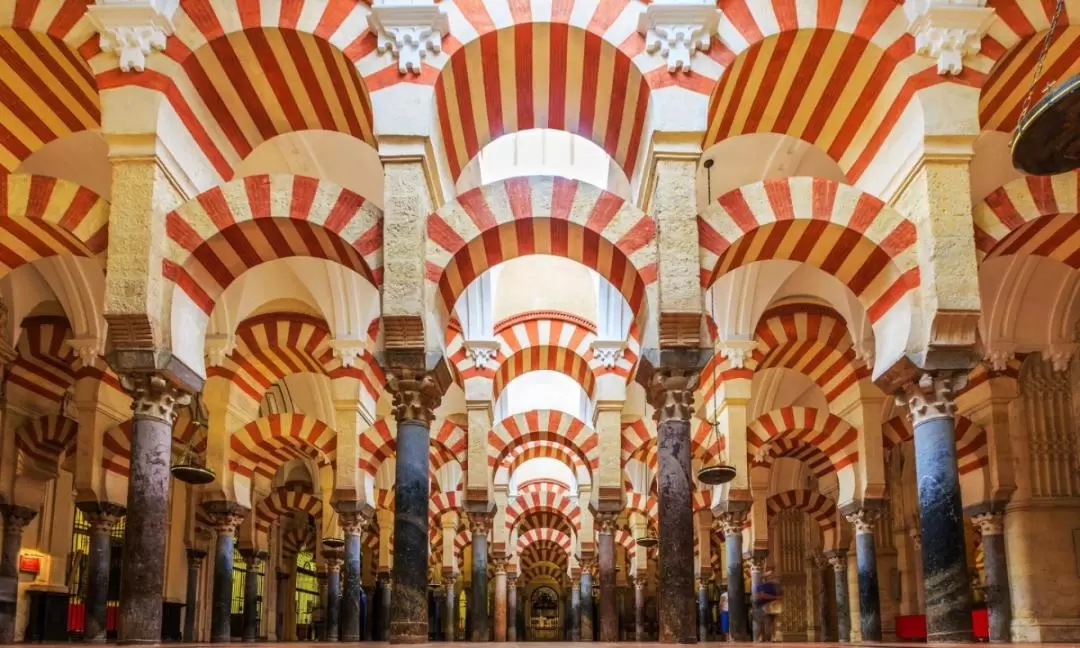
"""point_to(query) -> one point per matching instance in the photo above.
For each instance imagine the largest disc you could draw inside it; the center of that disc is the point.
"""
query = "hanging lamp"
(716, 472)
(333, 543)
(1046, 140)
(192, 468)
(647, 541)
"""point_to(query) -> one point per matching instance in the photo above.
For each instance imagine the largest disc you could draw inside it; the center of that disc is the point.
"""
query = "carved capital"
(838, 560)
(154, 397)
(512, 580)
(863, 520)
(989, 523)
(225, 516)
(87, 350)
(640, 582)
(606, 523)
(482, 353)
(348, 351)
(499, 563)
(131, 29)
(417, 394)
(334, 562)
(589, 566)
(678, 29)
(948, 30)
(732, 522)
(102, 516)
(195, 557)
(16, 517)
(932, 396)
(409, 31)
(480, 523)
(353, 522)
(449, 579)
(671, 393)
(756, 562)
(1059, 355)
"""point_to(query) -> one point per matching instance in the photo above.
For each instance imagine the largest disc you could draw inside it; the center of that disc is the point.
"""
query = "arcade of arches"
(454, 300)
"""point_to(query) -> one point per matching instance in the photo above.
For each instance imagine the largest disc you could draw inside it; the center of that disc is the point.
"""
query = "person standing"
(767, 603)
(725, 621)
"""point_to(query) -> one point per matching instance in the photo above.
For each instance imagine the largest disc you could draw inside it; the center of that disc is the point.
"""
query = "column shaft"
(674, 483)
(575, 611)
(251, 599)
(869, 596)
(843, 602)
(350, 609)
(451, 608)
(15, 519)
(609, 618)
(221, 612)
(511, 611)
(408, 607)
(737, 619)
(478, 614)
(97, 576)
(821, 583)
(703, 610)
(333, 602)
(586, 606)
(191, 604)
(998, 599)
(500, 603)
(756, 565)
(639, 609)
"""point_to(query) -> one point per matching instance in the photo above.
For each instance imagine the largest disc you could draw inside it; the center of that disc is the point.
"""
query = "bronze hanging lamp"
(647, 542)
(333, 543)
(1047, 136)
(715, 472)
(192, 468)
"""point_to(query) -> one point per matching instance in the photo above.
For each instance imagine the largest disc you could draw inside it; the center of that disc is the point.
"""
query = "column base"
(1045, 630)
(408, 632)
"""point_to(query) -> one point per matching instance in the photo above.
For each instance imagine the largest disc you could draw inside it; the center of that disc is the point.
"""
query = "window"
(307, 588)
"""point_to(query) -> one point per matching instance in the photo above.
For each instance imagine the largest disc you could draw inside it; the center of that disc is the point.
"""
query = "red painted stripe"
(523, 74)
(557, 75)
(313, 91)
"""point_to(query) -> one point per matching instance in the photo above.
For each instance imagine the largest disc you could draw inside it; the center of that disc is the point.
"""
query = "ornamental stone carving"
(102, 516)
(131, 29)
(989, 523)
(608, 352)
(757, 563)
(932, 396)
(678, 29)
(736, 351)
(863, 520)
(838, 560)
(196, 556)
(225, 516)
(417, 394)
(606, 523)
(16, 517)
(154, 397)
(348, 351)
(409, 31)
(639, 582)
(671, 393)
(948, 30)
(732, 522)
(480, 523)
(482, 353)
(218, 347)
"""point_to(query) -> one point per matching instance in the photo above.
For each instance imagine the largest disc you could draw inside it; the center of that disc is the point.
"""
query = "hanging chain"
(1047, 41)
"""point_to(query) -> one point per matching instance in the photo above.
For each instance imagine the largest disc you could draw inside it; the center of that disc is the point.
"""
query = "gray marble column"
(838, 560)
(991, 526)
(866, 559)
(195, 559)
(353, 517)
(732, 524)
(703, 608)
(333, 596)
(587, 609)
(142, 580)
(251, 594)
(408, 606)
(575, 609)
(941, 517)
(283, 595)
(450, 603)
(671, 393)
(639, 608)
(756, 560)
(605, 562)
(478, 614)
(102, 517)
(15, 520)
(821, 594)
(511, 607)
(384, 606)
(226, 517)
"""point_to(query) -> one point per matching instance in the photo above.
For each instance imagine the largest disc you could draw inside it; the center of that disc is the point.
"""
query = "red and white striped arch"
(442, 503)
(543, 425)
(540, 75)
(222, 233)
(544, 571)
(555, 536)
(544, 358)
(972, 454)
(830, 434)
(821, 509)
(283, 501)
(817, 461)
(379, 443)
(544, 551)
(264, 445)
(43, 217)
(865, 244)
(1032, 215)
(644, 504)
(539, 215)
(639, 441)
(44, 366)
(298, 539)
(541, 449)
(47, 439)
(50, 91)
(453, 440)
(836, 75)
(548, 500)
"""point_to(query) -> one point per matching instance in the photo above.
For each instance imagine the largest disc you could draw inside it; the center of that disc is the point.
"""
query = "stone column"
(450, 603)
(333, 595)
(605, 550)
(756, 560)
(322, 578)
(588, 568)
(416, 397)
(226, 517)
(251, 594)
(499, 614)
(511, 607)
(283, 594)
(15, 520)
(575, 609)
(478, 614)
(838, 560)
(703, 608)
(102, 516)
(866, 559)
(353, 518)
(732, 524)
(142, 581)
(941, 516)
(671, 393)
(992, 527)
(639, 608)
(821, 594)
(384, 606)
(195, 560)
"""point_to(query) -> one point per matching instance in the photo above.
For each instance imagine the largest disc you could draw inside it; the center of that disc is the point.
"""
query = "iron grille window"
(307, 587)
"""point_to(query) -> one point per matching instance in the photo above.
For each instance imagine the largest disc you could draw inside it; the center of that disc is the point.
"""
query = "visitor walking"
(767, 605)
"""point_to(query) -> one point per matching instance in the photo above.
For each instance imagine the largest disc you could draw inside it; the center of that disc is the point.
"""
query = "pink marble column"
(500, 598)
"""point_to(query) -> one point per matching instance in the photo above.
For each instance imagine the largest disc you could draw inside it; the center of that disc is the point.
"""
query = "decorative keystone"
(736, 351)
(218, 347)
(948, 30)
(87, 349)
(482, 353)
(133, 28)
(677, 29)
(608, 352)
(348, 351)
(409, 31)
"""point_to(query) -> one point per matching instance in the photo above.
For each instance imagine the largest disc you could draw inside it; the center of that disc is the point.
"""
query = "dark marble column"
(102, 516)
(941, 516)
(319, 620)
(226, 516)
(671, 393)
(586, 608)
(732, 524)
(282, 599)
(821, 594)
(756, 559)
(575, 609)
(408, 606)
(478, 613)
(333, 596)
(998, 601)
(384, 606)
(838, 560)
(142, 580)
(866, 559)
(251, 594)
(15, 520)
(353, 517)
(703, 608)
(605, 561)
(450, 606)
(511, 607)
(191, 605)
(639, 608)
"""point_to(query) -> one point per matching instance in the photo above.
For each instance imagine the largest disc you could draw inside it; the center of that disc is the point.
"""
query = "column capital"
(511, 579)
(417, 393)
(670, 391)
(252, 557)
(480, 523)
(640, 582)
(353, 515)
(932, 395)
(334, 562)
(196, 556)
(989, 523)
(449, 578)
(606, 522)
(409, 31)
(863, 519)
(732, 522)
(838, 560)
(153, 396)
(225, 515)
(950, 31)
(17, 517)
(102, 516)
(499, 563)
(756, 560)
(132, 28)
(676, 30)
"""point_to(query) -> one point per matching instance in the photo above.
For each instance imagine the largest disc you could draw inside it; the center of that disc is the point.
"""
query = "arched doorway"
(544, 616)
